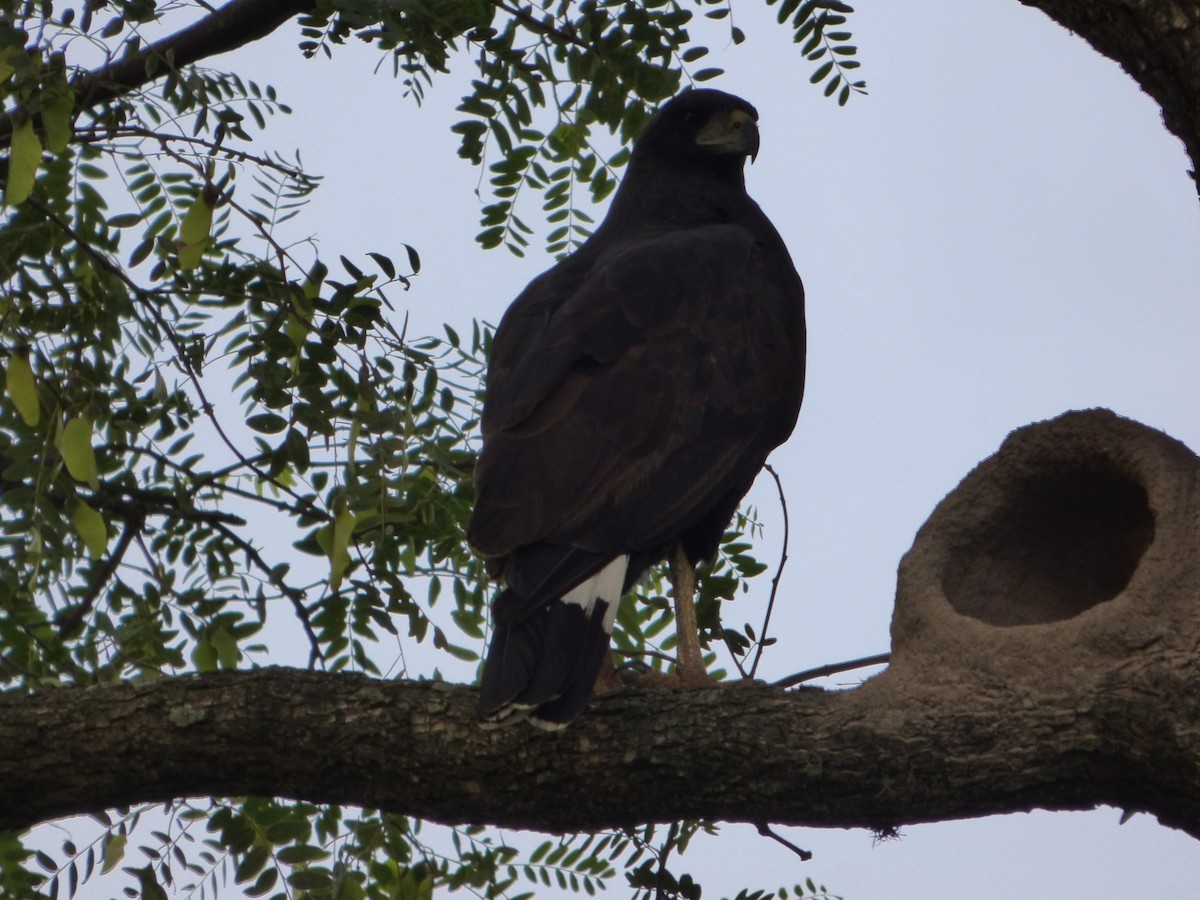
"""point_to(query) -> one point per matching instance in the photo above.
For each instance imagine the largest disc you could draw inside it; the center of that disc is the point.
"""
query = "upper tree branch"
(1156, 41)
(234, 25)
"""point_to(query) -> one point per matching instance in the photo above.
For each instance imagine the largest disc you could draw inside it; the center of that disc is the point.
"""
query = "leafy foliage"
(213, 443)
(554, 80)
(811, 21)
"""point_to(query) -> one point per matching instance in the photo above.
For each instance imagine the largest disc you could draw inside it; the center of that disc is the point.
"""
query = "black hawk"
(633, 393)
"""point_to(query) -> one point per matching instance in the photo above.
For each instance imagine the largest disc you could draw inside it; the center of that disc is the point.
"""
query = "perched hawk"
(634, 392)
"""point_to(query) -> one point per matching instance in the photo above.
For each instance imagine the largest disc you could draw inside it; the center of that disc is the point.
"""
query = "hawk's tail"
(543, 667)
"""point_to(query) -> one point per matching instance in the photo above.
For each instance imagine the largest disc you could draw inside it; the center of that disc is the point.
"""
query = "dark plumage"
(634, 392)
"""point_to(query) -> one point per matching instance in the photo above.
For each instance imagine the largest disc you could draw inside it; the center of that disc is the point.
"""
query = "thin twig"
(664, 852)
(765, 830)
(828, 669)
(69, 619)
(653, 654)
(200, 481)
(294, 595)
(140, 502)
(783, 558)
(527, 19)
(95, 135)
(733, 654)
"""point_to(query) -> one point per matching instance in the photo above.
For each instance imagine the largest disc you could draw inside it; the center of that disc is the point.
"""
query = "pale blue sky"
(1001, 231)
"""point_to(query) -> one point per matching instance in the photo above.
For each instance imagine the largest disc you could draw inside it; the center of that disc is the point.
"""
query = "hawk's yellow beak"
(732, 131)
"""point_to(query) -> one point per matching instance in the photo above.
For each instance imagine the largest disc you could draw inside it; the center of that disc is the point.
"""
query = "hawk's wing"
(632, 392)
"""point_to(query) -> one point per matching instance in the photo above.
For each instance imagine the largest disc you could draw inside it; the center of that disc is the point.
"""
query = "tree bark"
(879, 757)
(1156, 41)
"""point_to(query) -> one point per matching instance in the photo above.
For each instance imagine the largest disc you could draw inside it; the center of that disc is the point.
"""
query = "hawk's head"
(699, 126)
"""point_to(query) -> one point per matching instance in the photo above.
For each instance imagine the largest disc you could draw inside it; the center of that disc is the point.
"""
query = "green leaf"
(128, 220)
(22, 389)
(461, 653)
(226, 647)
(267, 423)
(309, 880)
(75, 445)
(151, 889)
(25, 156)
(204, 655)
(10, 57)
(339, 545)
(414, 259)
(304, 853)
(385, 264)
(114, 852)
(90, 526)
(194, 231)
(287, 830)
(140, 252)
(56, 119)
(251, 864)
(265, 883)
(296, 330)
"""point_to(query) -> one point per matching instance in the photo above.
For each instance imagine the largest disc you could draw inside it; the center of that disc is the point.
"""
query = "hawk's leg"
(689, 661)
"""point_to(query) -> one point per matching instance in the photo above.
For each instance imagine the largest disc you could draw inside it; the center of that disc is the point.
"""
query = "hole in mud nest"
(1061, 544)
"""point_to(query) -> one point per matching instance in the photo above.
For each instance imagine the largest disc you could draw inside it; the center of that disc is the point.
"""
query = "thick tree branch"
(1156, 41)
(881, 756)
(234, 25)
